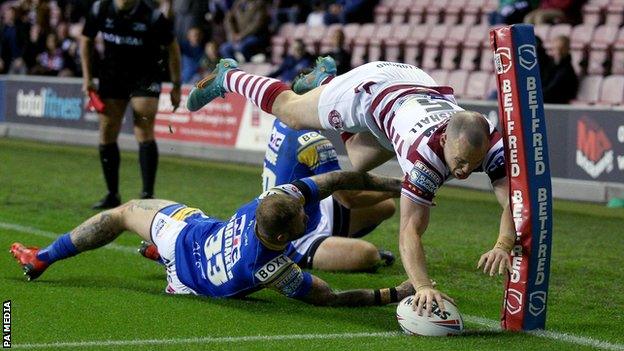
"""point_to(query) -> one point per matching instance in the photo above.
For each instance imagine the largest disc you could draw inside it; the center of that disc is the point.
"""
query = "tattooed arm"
(327, 183)
(322, 295)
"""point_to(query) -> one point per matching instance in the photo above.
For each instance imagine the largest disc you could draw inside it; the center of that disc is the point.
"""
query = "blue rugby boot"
(211, 86)
(325, 67)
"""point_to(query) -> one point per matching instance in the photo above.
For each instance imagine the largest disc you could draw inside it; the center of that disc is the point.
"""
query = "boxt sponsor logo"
(594, 152)
(47, 104)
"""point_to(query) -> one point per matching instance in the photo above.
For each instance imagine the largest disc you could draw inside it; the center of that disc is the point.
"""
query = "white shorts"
(164, 233)
(345, 102)
(323, 229)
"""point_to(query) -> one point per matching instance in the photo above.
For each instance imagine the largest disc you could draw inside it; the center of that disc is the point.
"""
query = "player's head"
(280, 219)
(465, 142)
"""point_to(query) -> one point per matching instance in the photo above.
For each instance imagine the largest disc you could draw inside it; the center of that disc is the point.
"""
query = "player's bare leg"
(365, 153)
(144, 113)
(364, 220)
(135, 216)
(345, 254)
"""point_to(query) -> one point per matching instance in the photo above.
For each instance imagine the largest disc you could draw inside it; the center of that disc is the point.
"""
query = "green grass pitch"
(113, 299)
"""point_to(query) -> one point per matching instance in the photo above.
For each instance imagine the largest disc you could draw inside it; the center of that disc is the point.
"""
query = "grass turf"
(115, 295)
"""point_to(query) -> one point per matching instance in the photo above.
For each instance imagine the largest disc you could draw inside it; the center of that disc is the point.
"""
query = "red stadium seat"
(592, 14)
(433, 46)
(612, 91)
(350, 31)
(435, 10)
(457, 80)
(382, 14)
(556, 31)
(487, 60)
(477, 86)
(453, 12)
(299, 32)
(287, 30)
(440, 76)
(400, 11)
(589, 90)
(472, 11)
(582, 35)
(414, 44)
(396, 41)
(470, 57)
(477, 35)
(617, 61)
(379, 41)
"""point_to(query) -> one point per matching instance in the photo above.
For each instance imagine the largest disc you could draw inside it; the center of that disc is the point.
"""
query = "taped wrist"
(505, 243)
(385, 296)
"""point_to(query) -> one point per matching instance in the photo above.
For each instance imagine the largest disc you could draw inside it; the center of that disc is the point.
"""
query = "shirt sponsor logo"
(594, 152)
(47, 104)
(276, 139)
(272, 268)
(326, 153)
(424, 178)
(122, 40)
(139, 27)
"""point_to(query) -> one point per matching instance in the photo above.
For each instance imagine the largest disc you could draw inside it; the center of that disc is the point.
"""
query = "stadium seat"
(279, 47)
(383, 14)
(440, 76)
(589, 90)
(617, 61)
(457, 80)
(598, 57)
(487, 60)
(470, 57)
(313, 38)
(592, 14)
(612, 91)
(350, 31)
(472, 11)
(615, 15)
(394, 43)
(287, 30)
(435, 10)
(400, 11)
(580, 38)
(556, 31)
(414, 44)
(299, 32)
(477, 85)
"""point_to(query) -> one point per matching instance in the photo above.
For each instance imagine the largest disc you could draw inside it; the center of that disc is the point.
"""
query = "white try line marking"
(488, 323)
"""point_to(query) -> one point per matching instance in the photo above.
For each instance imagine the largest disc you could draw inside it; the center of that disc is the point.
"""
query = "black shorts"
(117, 85)
(340, 227)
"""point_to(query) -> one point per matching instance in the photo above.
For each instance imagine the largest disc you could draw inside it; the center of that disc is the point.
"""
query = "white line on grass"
(51, 235)
(207, 340)
(488, 323)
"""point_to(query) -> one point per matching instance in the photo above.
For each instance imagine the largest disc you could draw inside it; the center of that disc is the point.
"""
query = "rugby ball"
(440, 323)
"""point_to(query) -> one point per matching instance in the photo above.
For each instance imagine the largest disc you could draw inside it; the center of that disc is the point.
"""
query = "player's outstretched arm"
(414, 221)
(327, 183)
(322, 295)
(497, 259)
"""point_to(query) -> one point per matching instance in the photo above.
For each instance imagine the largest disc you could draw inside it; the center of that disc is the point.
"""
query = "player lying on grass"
(394, 109)
(233, 258)
(346, 215)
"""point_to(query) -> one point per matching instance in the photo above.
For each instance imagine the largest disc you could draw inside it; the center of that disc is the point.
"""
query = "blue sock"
(60, 249)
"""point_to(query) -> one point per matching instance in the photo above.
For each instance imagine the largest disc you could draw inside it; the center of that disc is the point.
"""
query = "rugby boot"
(108, 201)
(211, 86)
(387, 257)
(325, 67)
(27, 258)
(150, 251)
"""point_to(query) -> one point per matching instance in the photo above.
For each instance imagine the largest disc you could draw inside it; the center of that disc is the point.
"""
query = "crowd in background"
(41, 36)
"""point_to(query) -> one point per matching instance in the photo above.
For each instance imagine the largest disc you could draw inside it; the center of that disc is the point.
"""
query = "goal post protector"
(521, 116)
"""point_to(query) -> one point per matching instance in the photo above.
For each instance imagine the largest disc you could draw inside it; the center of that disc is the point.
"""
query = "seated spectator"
(12, 38)
(34, 46)
(511, 11)
(317, 16)
(350, 11)
(50, 62)
(555, 11)
(192, 50)
(297, 60)
(338, 52)
(209, 60)
(561, 83)
(284, 11)
(69, 47)
(246, 27)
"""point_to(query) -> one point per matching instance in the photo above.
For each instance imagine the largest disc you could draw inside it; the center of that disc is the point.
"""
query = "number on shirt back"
(268, 179)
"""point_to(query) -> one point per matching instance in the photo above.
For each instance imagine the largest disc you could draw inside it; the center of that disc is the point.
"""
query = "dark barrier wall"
(584, 143)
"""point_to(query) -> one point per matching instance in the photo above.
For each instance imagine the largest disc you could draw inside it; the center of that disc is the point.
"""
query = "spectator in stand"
(209, 60)
(192, 50)
(317, 16)
(12, 39)
(246, 27)
(511, 11)
(297, 60)
(339, 53)
(556, 11)
(34, 46)
(350, 11)
(50, 62)
(69, 47)
(188, 14)
(283, 11)
(561, 83)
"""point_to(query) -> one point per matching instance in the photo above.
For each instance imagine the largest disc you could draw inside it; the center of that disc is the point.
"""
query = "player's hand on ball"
(494, 260)
(424, 297)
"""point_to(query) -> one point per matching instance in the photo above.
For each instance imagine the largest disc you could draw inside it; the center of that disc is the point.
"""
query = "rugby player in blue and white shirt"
(341, 219)
(233, 258)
